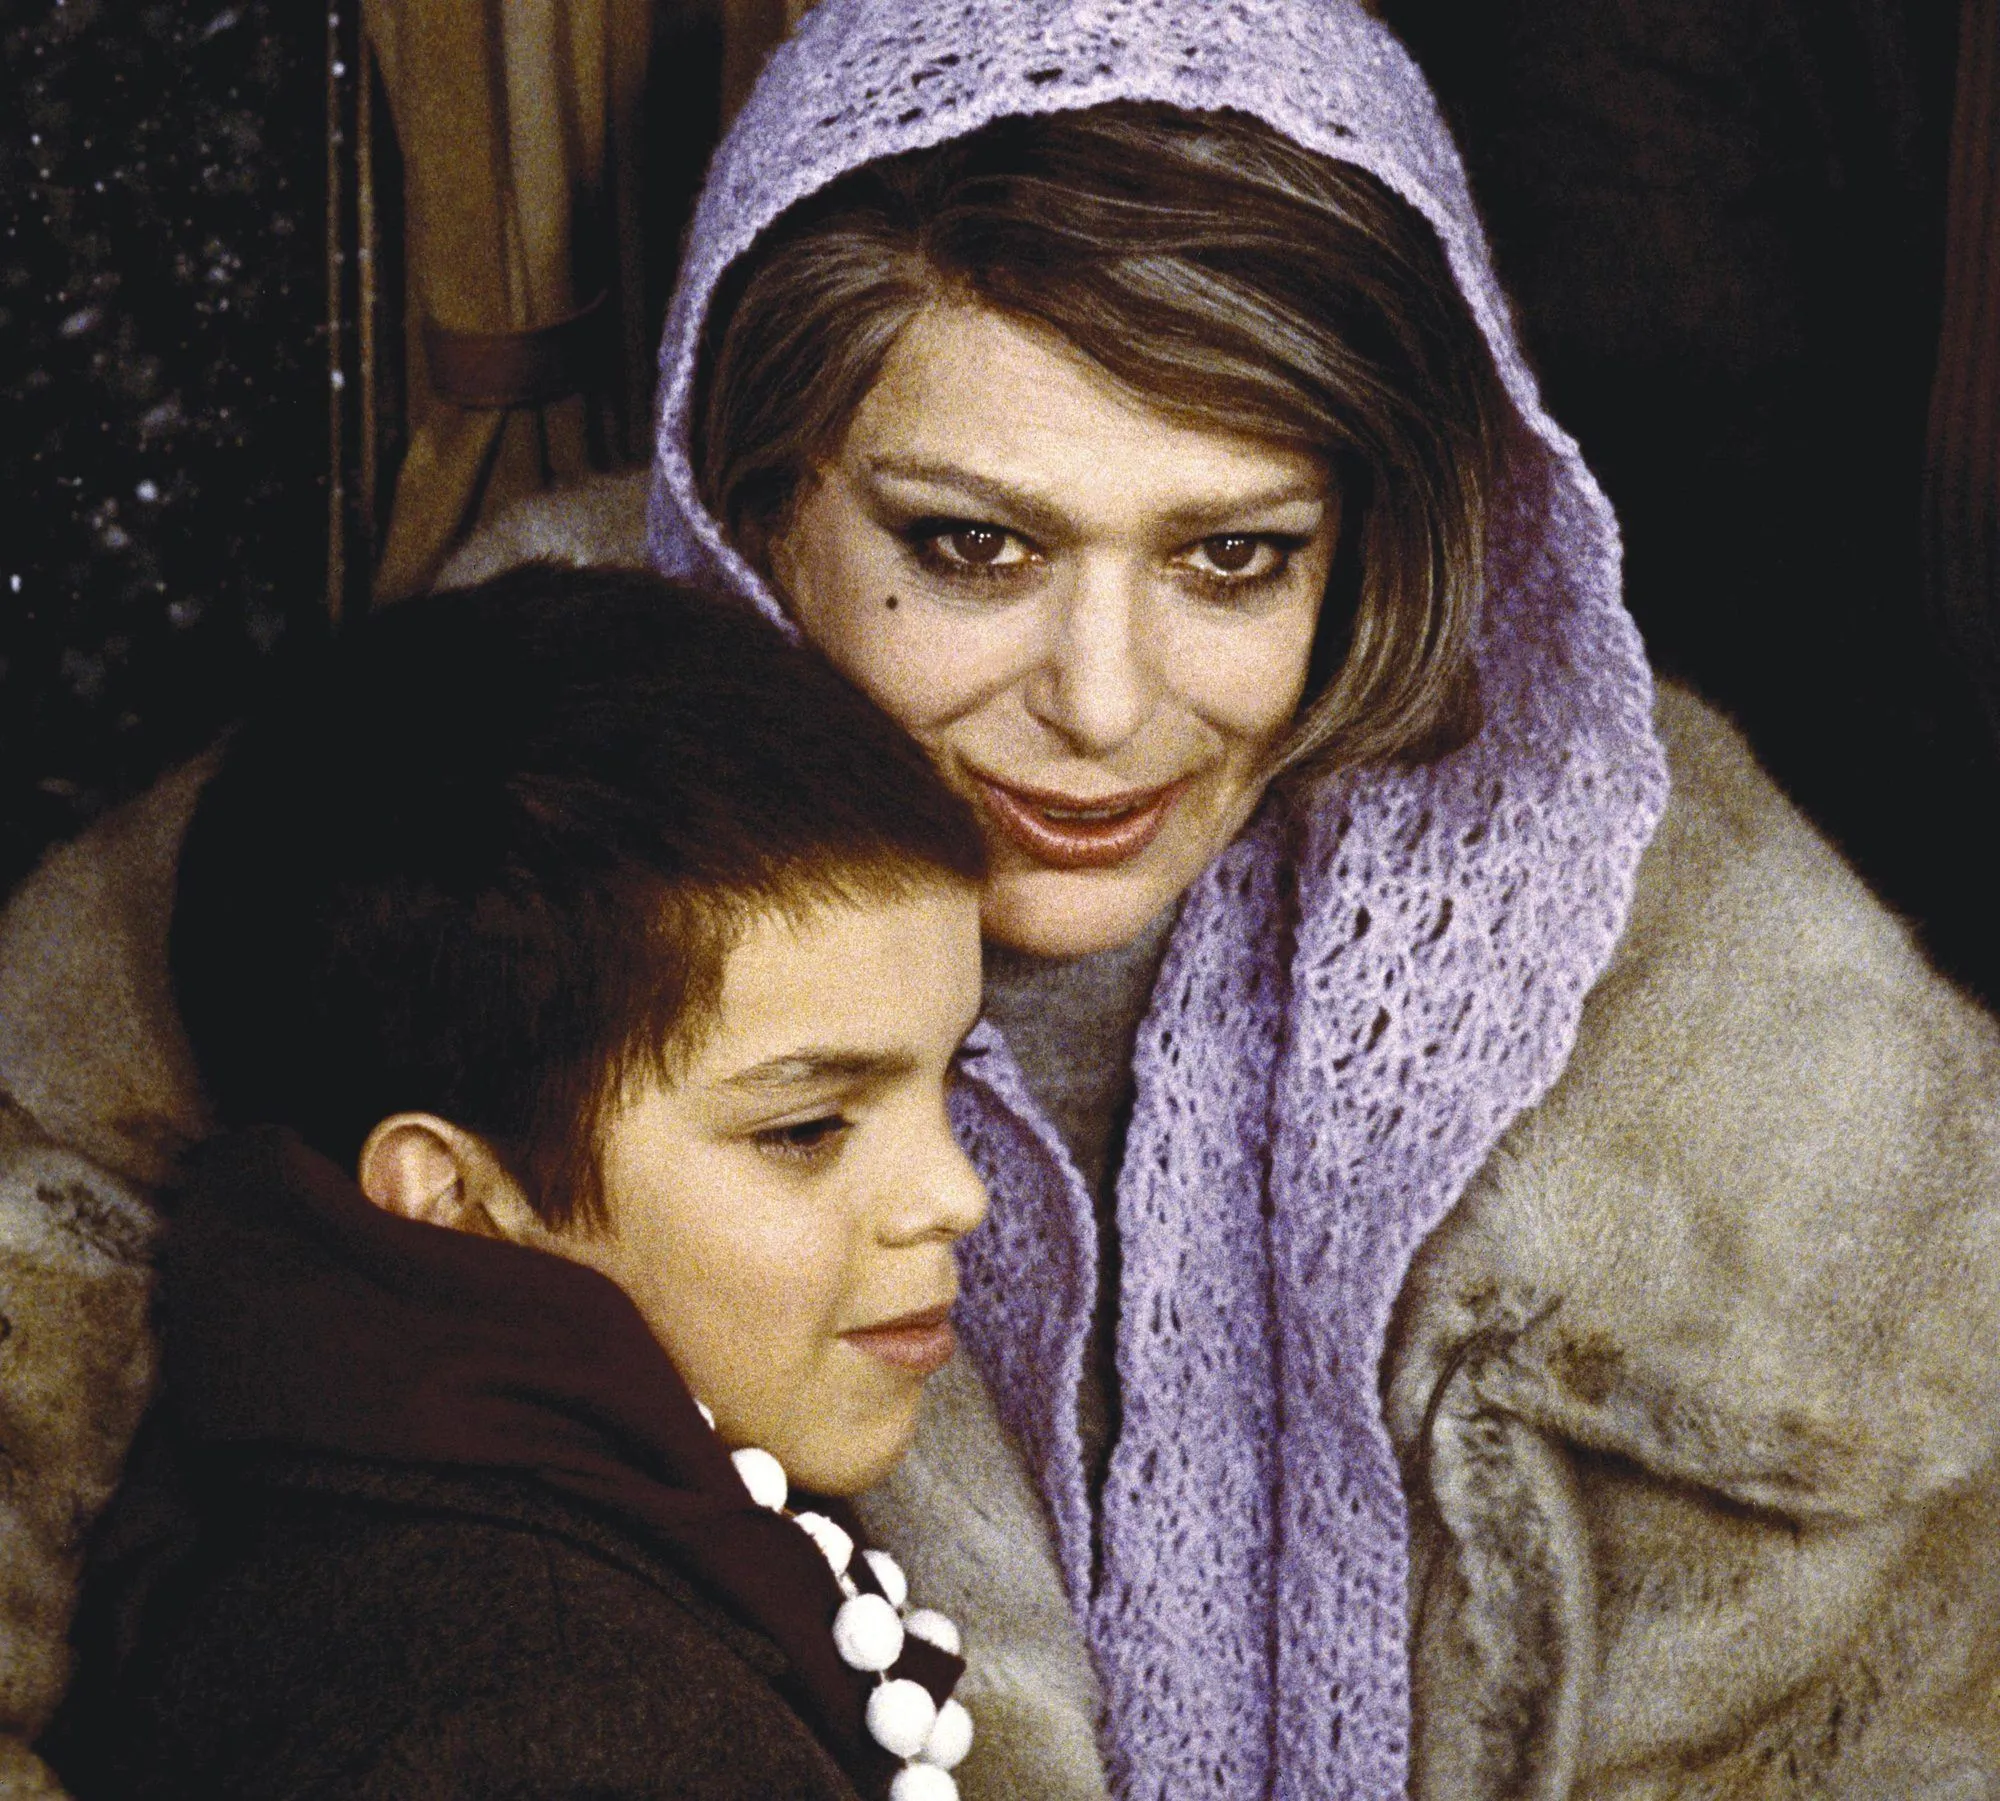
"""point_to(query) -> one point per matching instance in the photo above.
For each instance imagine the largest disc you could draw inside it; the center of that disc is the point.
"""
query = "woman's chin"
(1075, 912)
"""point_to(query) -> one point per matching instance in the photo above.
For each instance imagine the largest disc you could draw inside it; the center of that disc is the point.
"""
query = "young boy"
(577, 969)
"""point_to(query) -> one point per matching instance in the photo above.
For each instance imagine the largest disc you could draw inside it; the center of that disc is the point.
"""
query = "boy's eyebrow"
(799, 1069)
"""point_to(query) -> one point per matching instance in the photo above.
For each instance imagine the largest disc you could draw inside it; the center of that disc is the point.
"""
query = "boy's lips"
(1068, 832)
(919, 1342)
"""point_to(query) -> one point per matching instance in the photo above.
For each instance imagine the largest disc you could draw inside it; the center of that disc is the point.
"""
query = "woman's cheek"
(1245, 677)
(865, 638)
(924, 663)
(944, 665)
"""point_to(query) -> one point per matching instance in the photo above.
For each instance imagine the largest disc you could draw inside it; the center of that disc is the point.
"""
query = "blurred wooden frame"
(364, 410)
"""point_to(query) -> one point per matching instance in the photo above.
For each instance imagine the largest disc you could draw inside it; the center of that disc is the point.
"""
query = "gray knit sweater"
(1070, 1023)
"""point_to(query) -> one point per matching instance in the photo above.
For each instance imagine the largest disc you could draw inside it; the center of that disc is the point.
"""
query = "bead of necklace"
(868, 1633)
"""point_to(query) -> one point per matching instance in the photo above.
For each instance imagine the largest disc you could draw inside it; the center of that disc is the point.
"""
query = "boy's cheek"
(849, 1441)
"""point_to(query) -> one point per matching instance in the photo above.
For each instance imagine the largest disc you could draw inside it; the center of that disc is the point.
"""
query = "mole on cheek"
(892, 603)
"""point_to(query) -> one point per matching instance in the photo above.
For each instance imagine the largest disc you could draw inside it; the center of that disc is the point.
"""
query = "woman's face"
(1096, 619)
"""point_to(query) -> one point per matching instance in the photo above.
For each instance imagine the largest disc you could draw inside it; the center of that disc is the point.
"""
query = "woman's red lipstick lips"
(919, 1342)
(1066, 832)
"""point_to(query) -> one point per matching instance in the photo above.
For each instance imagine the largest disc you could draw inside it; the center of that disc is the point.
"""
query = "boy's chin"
(858, 1462)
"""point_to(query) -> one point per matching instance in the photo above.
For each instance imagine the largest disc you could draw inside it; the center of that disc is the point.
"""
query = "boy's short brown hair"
(487, 858)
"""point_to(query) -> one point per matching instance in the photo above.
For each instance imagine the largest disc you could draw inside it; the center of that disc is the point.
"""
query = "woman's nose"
(1094, 687)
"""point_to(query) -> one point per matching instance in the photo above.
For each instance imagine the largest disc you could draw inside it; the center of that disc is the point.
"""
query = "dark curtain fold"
(1723, 225)
(1962, 489)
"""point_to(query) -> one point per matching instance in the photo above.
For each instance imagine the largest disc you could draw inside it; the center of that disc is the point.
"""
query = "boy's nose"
(945, 1197)
(958, 1196)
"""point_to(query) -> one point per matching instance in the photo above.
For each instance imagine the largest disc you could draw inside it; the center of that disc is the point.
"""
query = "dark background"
(165, 378)
(1722, 222)
(163, 384)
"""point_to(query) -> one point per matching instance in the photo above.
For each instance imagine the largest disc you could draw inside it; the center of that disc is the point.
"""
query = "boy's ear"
(418, 1166)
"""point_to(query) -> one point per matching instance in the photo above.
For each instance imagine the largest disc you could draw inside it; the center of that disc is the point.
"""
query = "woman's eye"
(804, 1140)
(957, 547)
(1234, 557)
(976, 544)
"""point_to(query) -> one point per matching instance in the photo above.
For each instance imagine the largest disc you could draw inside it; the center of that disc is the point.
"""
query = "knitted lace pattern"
(1361, 994)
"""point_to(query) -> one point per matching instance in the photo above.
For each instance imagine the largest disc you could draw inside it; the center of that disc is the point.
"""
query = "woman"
(1120, 395)
(1476, 1310)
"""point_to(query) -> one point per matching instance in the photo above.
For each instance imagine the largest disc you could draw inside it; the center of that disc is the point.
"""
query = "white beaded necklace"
(868, 1632)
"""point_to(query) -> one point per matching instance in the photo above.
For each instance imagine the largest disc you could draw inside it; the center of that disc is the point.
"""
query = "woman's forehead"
(971, 399)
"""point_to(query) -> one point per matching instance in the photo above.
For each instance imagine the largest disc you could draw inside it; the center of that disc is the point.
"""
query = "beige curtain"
(518, 126)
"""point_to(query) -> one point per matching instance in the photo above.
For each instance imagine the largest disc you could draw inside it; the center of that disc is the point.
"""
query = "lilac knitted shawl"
(1361, 993)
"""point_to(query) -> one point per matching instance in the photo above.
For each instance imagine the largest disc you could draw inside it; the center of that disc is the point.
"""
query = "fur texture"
(964, 1519)
(1698, 1390)
(1699, 1387)
(90, 1048)
(76, 1366)
(601, 521)
(97, 1096)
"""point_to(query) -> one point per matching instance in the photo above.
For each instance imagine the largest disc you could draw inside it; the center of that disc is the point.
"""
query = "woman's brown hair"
(1217, 271)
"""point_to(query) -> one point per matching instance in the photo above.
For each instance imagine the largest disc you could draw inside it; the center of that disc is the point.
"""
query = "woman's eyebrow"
(1243, 512)
(1025, 508)
(812, 1068)
(1196, 519)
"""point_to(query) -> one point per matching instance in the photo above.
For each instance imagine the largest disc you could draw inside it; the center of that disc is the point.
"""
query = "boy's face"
(784, 1213)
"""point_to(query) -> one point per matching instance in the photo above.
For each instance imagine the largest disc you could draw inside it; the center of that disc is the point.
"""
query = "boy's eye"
(804, 1140)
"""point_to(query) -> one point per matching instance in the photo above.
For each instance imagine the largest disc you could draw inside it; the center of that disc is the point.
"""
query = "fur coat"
(1697, 1389)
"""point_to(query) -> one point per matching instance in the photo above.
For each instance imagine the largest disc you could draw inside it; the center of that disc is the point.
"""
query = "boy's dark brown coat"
(344, 1628)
